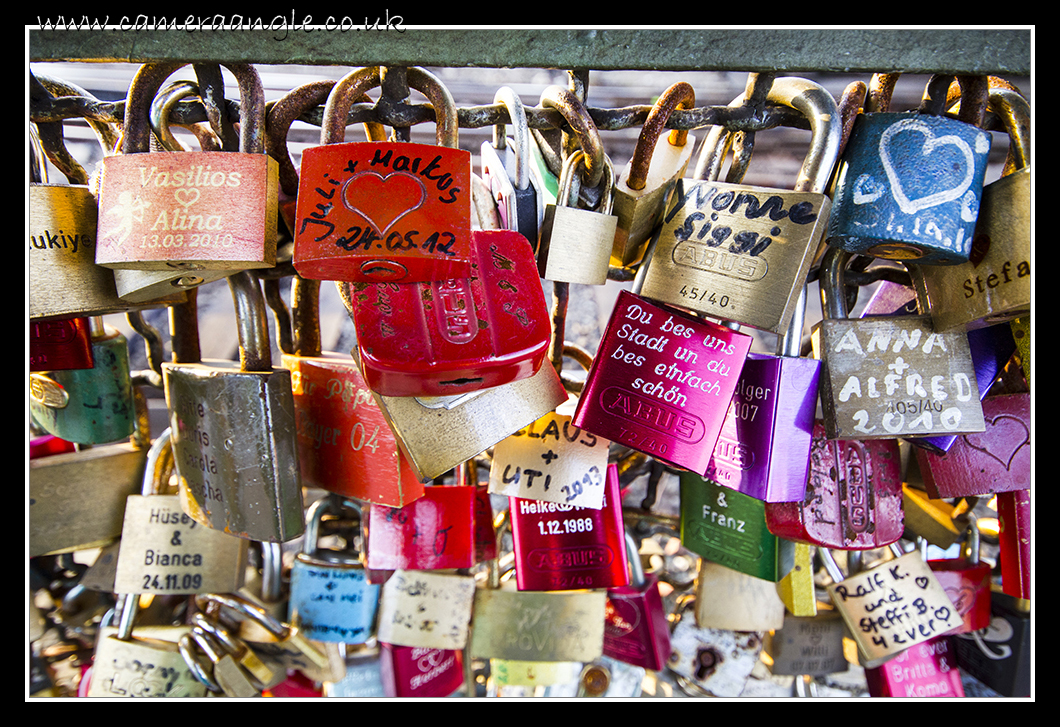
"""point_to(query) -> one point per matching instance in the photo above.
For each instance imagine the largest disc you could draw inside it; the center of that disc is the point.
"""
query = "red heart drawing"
(383, 200)
(1004, 433)
(963, 598)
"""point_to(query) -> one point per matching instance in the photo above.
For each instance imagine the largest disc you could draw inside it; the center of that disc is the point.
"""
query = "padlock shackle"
(188, 645)
(271, 572)
(159, 464)
(832, 283)
(305, 317)
(830, 565)
(820, 108)
(577, 117)
(636, 568)
(880, 91)
(974, 89)
(255, 345)
(681, 95)
(1015, 112)
(315, 514)
(520, 134)
(147, 82)
(158, 115)
(240, 605)
(569, 176)
(337, 108)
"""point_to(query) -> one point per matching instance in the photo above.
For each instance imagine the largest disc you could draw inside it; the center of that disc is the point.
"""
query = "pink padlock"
(413, 671)
(928, 669)
(967, 583)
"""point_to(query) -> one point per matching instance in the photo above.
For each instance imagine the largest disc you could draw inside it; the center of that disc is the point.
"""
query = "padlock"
(729, 528)
(251, 489)
(331, 598)
(853, 496)
(995, 284)
(426, 608)
(568, 547)
(127, 665)
(345, 445)
(519, 203)
(438, 433)
(1021, 331)
(77, 499)
(414, 671)
(647, 388)
(811, 646)
(515, 678)
(453, 336)
(363, 677)
(62, 243)
(173, 210)
(1014, 520)
(636, 631)
(553, 462)
(163, 551)
(535, 626)
(601, 678)
(88, 406)
(717, 662)
(435, 532)
(892, 606)
(797, 589)
(909, 184)
(890, 376)
(929, 518)
(764, 447)
(733, 601)
(1000, 655)
(236, 668)
(997, 460)
(967, 582)
(643, 189)
(575, 242)
(60, 345)
(403, 216)
(742, 253)
(144, 285)
(220, 673)
(925, 670)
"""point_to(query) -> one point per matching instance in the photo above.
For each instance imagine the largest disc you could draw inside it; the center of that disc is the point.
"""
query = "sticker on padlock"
(426, 609)
(552, 461)
(909, 184)
(384, 211)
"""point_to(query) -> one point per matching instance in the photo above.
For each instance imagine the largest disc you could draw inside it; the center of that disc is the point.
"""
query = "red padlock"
(384, 211)
(997, 460)
(853, 496)
(967, 583)
(60, 345)
(564, 547)
(928, 669)
(435, 532)
(458, 335)
(1014, 518)
(636, 631)
(414, 671)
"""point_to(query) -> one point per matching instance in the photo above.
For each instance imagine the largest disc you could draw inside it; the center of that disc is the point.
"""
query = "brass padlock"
(643, 189)
(742, 253)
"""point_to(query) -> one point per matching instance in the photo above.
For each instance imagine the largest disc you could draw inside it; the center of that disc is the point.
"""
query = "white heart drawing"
(864, 197)
(186, 197)
(931, 141)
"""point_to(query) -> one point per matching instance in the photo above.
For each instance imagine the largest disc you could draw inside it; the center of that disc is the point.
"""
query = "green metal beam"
(1002, 52)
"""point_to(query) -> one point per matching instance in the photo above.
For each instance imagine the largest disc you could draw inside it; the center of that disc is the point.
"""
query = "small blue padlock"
(331, 598)
(909, 184)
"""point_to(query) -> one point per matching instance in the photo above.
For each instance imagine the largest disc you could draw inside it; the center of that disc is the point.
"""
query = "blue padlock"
(331, 598)
(909, 184)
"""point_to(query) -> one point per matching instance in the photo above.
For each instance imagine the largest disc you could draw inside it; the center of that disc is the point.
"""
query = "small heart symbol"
(922, 581)
(962, 598)
(931, 143)
(980, 249)
(1005, 434)
(382, 201)
(186, 197)
(866, 189)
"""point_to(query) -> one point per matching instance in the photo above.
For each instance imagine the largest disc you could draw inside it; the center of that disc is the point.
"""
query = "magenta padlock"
(414, 671)
(928, 669)
(60, 345)
(997, 460)
(435, 532)
(764, 447)
(661, 382)
(853, 496)
(459, 335)
(565, 547)
(1014, 519)
(636, 630)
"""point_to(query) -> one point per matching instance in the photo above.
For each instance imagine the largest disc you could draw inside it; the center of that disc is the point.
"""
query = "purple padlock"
(661, 382)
